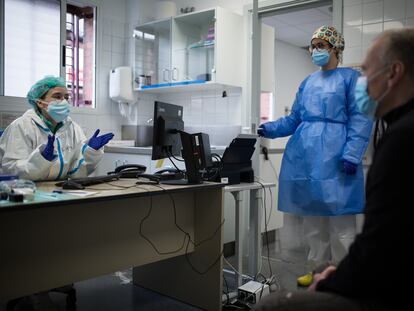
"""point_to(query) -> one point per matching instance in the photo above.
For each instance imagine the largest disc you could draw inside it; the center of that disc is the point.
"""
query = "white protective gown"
(24, 139)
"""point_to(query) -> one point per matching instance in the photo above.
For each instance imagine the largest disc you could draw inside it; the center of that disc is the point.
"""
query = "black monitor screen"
(168, 120)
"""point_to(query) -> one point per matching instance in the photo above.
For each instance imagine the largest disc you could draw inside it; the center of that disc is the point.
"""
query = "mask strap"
(378, 73)
(383, 95)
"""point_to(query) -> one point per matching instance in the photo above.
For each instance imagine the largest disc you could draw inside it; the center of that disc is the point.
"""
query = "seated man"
(45, 143)
(373, 275)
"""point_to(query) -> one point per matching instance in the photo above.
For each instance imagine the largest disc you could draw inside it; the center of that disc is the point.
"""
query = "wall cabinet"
(202, 47)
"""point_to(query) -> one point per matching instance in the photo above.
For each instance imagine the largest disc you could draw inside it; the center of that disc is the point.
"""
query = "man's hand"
(320, 276)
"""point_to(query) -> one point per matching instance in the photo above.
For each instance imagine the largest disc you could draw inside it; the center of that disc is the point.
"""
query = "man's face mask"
(365, 103)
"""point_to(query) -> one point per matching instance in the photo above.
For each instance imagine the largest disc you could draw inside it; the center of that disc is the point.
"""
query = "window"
(80, 38)
(33, 43)
(266, 104)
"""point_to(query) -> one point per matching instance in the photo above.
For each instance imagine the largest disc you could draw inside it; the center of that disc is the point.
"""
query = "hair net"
(42, 86)
(332, 36)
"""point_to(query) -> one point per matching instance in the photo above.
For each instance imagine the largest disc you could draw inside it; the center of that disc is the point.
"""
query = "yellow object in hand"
(305, 280)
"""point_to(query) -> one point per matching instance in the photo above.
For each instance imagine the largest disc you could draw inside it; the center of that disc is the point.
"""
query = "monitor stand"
(179, 182)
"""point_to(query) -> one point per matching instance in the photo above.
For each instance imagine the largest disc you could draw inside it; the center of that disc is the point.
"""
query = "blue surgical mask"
(320, 57)
(58, 110)
(365, 103)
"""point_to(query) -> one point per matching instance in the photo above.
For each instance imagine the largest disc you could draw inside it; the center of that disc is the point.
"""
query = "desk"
(255, 222)
(53, 242)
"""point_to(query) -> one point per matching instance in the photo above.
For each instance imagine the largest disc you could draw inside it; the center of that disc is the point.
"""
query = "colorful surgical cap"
(331, 35)
(41, 87)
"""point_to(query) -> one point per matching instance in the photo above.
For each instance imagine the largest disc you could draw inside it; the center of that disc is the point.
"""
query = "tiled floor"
(115, 292)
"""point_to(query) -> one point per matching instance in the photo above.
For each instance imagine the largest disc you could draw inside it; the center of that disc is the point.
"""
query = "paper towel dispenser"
(120, 85)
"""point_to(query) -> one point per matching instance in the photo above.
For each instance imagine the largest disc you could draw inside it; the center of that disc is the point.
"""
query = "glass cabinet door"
(152, 64)
(193, 46)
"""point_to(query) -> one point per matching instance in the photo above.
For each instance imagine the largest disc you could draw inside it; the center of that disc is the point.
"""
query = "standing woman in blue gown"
(321, 176)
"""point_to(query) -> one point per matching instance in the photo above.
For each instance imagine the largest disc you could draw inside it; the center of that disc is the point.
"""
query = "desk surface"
(122, 188)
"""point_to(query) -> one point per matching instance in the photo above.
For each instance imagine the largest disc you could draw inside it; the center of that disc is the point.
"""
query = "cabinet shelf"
(206, 44)
(194, 87)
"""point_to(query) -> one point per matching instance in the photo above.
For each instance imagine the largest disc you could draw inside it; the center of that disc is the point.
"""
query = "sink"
(141, 134)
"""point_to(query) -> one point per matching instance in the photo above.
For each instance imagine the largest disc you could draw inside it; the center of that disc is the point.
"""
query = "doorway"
(293, 29)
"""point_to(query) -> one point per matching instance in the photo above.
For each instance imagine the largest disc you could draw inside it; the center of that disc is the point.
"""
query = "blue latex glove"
(47, 153)
(349, 168)
(262, 131)
(97, 142)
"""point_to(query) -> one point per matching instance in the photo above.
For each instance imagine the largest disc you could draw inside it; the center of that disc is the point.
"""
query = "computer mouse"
(72, 185)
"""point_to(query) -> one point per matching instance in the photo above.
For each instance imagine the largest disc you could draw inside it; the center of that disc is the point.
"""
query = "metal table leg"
(255, 239)
(238, 237)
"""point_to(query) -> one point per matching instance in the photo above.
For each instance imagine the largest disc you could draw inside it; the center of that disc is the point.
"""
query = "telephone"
(169, 174)
(129, 170)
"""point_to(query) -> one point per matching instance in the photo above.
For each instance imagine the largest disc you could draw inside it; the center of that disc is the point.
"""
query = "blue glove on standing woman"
(263, 130)
(97, 142)
(349, 168)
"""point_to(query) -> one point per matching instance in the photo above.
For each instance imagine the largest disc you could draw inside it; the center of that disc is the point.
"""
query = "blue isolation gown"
(327, 128)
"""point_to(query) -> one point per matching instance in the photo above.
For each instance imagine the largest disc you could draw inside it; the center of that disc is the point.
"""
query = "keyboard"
(89, 181)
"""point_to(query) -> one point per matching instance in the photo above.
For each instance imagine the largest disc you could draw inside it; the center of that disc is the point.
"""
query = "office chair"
(21, 304)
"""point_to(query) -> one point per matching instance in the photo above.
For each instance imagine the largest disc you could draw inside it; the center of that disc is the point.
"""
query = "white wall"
(364, 20)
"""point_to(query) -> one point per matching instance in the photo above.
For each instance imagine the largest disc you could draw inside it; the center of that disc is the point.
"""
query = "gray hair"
(399, 45)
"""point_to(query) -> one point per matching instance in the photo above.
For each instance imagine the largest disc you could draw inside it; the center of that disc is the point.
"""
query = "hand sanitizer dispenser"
(120, 85)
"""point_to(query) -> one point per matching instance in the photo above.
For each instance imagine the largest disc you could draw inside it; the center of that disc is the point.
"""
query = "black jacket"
(380, 263)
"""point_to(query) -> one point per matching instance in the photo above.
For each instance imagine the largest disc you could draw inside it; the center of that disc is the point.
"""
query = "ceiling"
(297, 27)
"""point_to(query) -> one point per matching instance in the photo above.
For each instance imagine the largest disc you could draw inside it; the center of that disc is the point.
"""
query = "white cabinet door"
(229, 48)
(205, 45)
(152, 59)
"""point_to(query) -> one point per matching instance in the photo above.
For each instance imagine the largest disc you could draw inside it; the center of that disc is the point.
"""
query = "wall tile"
(118, 29)
(353, 36)
(118, 45)
(107, 43)
(196, 105)
(103, 84)
(352, 56)
(209, 118)
(396, 24)
(353, 15)
(209, 105)
(117, 60)
(107, 26)
(369, 32)
(352, 2)
(372, 12)
(106, 59)
(410, 22)
(394, 9)
(409, 9)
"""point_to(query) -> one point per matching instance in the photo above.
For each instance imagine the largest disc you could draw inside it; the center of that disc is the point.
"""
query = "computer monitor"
(170, 139)
(168, 121)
